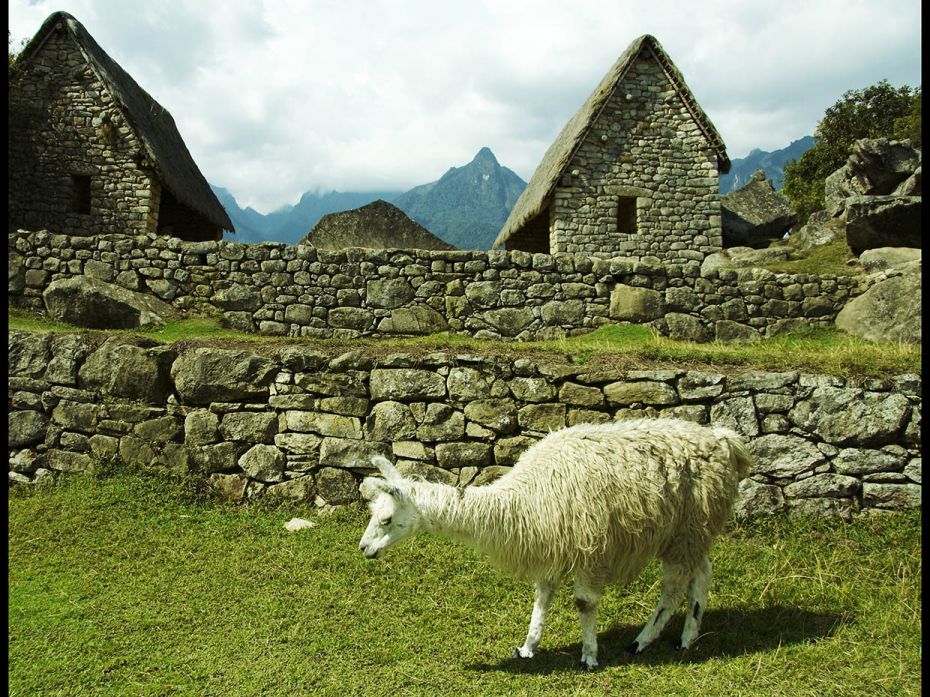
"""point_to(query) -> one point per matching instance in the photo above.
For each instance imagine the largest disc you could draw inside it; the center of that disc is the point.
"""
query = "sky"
(277, 97)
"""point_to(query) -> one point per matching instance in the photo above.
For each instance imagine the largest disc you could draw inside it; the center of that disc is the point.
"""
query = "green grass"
(128, 585)
(829, 260)
(631, 346)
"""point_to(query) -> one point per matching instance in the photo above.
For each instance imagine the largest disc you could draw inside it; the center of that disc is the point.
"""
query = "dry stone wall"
(300, 423)
(280, 289)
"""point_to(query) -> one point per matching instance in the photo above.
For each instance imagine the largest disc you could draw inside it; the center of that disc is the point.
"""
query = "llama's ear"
(387, 470)
(372, 486)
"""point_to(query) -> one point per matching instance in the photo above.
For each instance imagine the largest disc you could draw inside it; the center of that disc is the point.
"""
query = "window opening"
(626, 215)
(80, 193)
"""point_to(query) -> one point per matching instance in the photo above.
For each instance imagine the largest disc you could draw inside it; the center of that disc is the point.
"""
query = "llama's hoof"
(520, 652)
(588, 663)
(678, 646)
(633, 649)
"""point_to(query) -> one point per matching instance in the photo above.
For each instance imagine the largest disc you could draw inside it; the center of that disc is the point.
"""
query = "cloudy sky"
(278, 97)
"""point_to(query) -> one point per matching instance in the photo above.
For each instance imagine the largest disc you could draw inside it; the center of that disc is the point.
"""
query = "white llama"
(596, 501)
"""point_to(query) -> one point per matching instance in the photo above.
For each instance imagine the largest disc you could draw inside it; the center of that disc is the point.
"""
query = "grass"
(128, 585)
(817, 350)
(829, 260)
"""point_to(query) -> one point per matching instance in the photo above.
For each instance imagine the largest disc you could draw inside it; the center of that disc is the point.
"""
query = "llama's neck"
(472, 516)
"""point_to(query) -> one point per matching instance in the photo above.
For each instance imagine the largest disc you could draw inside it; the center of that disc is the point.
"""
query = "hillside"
(467, 205)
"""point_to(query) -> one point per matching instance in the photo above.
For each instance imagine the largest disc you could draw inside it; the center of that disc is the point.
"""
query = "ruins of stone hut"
(633, 173)
(92, 152)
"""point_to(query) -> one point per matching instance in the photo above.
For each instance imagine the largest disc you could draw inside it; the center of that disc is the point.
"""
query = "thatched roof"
(150, 121)
(536, 195)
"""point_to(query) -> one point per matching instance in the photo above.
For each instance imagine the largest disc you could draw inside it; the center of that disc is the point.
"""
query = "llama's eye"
(385, 522)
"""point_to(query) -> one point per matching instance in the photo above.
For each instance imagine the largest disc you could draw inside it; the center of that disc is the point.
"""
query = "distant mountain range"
(291, 223)
(772, 163)
(466, 207)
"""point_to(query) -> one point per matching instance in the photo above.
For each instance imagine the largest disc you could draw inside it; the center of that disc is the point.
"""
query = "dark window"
(80, 193)
(626, 214)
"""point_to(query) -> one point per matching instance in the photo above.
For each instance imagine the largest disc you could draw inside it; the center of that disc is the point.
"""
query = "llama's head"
(393, 516)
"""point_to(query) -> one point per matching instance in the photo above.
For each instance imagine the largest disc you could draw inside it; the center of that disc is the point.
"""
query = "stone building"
(91, 152)
(633, 173)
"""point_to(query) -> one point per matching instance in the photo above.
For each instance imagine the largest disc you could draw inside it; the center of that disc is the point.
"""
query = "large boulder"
(85, 301)
(821, 229)
(129, 368)
(882, 221)
(756, 214)
(205, 375)
(888, 311)
(876, 167)
(378, 225)
(882, 258)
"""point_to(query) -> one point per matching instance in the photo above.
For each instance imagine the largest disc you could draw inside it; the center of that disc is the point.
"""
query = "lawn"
(129, 584)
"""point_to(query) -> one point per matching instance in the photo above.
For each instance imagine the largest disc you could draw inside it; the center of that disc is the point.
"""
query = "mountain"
(467, 206)
(772, 163)
(249, 223)
(290, 223)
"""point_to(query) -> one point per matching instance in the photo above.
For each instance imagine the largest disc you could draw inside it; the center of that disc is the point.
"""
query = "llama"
(597, 501)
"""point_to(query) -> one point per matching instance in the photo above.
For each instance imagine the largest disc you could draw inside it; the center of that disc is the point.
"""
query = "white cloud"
(279, 97)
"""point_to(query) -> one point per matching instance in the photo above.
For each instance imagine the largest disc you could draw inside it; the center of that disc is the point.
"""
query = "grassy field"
(628, 346)
(131, 585)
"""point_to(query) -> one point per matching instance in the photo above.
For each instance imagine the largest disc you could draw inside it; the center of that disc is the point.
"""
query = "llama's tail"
(740, 460)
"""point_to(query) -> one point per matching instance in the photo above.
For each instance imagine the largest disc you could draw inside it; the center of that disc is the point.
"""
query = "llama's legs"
(674, 582)
(544, 593)
(698, 589)
(586, 599)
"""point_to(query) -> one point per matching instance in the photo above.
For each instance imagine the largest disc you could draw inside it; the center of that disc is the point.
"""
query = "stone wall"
(64, 122)
(301, 423)
(644, 144)
(301, 291)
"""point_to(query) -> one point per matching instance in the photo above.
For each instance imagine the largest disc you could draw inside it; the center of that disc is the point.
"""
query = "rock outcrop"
(888, 311)
(875, 197)
(876, 167)
(379, 225)
(882, 221)
(882, 258)
(821, 229)
(756, 214)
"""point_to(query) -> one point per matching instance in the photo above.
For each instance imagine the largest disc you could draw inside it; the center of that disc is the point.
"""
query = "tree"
(879, 111)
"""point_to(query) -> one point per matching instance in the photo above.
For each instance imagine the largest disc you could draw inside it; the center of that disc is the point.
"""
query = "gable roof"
(559, 154)
(150, 121)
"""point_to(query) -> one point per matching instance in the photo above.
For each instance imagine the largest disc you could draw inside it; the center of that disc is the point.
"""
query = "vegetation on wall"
(879, 111)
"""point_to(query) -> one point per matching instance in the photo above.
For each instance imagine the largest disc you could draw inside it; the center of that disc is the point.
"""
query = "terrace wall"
(302, 424)
(287, 290)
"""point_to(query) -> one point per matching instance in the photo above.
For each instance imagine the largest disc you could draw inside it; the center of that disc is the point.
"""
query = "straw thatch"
(150, 121)
(536, 196)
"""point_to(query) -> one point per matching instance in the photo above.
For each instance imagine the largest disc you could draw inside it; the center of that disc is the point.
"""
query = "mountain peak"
(485, 155)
